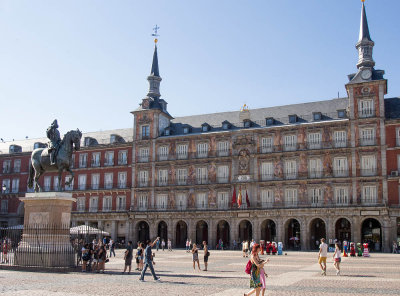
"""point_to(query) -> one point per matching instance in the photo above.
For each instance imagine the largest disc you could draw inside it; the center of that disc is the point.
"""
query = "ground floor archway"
(181, 234)
(371, 232)
(162, 231)
(268, 231)
(143, 231)
(223, 234)
(292, 238)
(201, 232)
(245, 231)
(317, 231)
(343, 230)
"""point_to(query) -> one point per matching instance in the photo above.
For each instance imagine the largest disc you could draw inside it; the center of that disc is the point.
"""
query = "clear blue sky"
(86, 62)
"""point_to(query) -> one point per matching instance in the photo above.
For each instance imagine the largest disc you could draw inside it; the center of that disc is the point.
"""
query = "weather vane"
(155, 34)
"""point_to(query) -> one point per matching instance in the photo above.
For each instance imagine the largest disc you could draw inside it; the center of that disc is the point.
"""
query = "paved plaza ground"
(294, 274)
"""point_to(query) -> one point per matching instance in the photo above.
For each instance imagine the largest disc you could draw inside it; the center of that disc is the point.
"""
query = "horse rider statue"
(54, 136)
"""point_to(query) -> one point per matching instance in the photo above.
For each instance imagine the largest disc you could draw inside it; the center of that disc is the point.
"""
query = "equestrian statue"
(56, 158)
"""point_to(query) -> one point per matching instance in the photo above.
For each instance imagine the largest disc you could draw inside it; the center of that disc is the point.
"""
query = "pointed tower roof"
(364, 30)
(154, 65)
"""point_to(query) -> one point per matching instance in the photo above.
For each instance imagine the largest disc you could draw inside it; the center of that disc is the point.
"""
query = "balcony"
(340, 143)
(81, 208)
(143, 158)
(7, 170)
(82, 165)
(182, 155)
(122, 162)
(108, 185)
(95, 186)
(17, 170)
(121, 185)
(290, 147)
(162, 182)
(93, 209)
(202, 181)
(341, 173)
(267, 205)
(222, 180)
(182, 181)
(314, 174)
(222, 153)
(109, 163)
(162, 157)
(365, 113)
(267, 177)
(143, 183)
(368, 141)
(368, 172)
(314, 145)
(107, 208)
(291, 176)
(95, 164)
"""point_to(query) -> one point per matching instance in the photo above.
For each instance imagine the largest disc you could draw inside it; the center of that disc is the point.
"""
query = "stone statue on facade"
(41, 161)
(244, 162)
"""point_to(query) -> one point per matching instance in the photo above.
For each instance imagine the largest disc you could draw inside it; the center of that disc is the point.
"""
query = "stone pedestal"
(46, 236)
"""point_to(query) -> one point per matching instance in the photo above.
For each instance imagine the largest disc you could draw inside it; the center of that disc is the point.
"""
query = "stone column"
(153, 227)
(192, 231)
(330, 229)
(114, 225)
(386, 242)
(304, 235)
(212, 231)
(170, 232)
(280, 231)
(100, 225)
(128, 230)
(256, 230)
(234, 232)
(87, 223)
(356, 229)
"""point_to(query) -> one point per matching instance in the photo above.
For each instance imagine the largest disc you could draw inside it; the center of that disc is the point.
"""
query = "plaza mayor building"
(301, 172)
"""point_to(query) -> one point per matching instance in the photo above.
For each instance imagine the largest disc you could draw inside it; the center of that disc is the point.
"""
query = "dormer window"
(167, 132)
(205, 127)
(185, 130)
(247, 123)
(269, 121)
(317, 116)
(225, 125)
(293, 118)
(341, 113)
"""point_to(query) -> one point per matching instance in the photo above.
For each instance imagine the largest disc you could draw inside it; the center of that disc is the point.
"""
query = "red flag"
(247, 200)
(240, 197)
(234, 196)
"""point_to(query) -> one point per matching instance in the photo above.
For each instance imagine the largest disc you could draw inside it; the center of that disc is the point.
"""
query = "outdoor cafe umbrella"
(85, 229)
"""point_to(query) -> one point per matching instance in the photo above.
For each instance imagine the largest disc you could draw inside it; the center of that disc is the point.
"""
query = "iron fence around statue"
(46, 246)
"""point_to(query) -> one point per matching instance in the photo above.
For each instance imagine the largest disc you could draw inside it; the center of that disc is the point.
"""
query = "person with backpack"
(255, 267)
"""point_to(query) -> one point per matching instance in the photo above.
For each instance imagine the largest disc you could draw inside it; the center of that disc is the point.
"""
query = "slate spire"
(154, 78)
(154, 65)
(365, 44)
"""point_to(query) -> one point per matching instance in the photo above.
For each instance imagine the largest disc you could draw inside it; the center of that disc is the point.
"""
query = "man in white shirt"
(322, 255)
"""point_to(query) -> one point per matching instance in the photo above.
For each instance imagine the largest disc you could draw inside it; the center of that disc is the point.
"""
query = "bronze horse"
(40, 160)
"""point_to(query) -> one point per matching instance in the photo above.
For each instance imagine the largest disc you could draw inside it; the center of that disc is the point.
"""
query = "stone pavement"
(295, 274)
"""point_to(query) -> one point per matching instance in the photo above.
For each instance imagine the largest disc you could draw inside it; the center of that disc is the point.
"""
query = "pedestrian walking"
(111, 246)
(187, 245)
(195, 255)
(234, 244)
(163, 244)
(337, 259)
(85, 256)
(157, 245)
(394, 251)
(140, 256)
(206, 255)
(102, 257)
(169, 245)
(256, 272)
(95, 257)
(128, 256)
(148, 260)
(322, 255)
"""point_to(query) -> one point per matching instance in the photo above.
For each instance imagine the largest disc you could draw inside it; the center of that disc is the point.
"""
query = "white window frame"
(143, 178)
(121, 203)
(122, 179)
(223, 148)
(181, 201)
(267, 144)
(163, 152)
(201, 200)
(145, 131)
(201, 175)
(83, 160)
(82, 182)
(122, 157)
(144, 154)
(81, 204)
(366, 108)
(95, 185)
(267, 198)
(341, 195)
(222, 174)
(108, 180)
(315, 168)
(369, 195)
(7, 166)
(202, 150)
(316, 195)
(223, 200)
(162, 201)
(162, 177)
(368, 165)
(17, 166)
(142, 202)
(71, 186)
(96, 157)
(94, 204)
(314, 140)
(367, 136)
(182, 151)
(291, 198)
(181, 176)
(340, 166)
(107, 203)
(109, 158)
(47, 183)
(7, 184)
(4, 206)
(55, 183)
(15, 185)
(340, 139)
(290, 168)
(290, 142)
(267, 170)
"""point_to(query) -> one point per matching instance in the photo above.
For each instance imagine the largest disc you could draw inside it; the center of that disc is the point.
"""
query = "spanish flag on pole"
(240, 197)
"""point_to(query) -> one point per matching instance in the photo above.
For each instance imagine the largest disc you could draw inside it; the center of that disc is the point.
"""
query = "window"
(340, 138)
(204, 128)
(247, 123)
(202, 149)
(143, 154)
(122, 157)
(4, 206)
(80, 206)
(267, 171)
(182, 151)
(341, 113)
(290, 169)
(290, 197)
(82, 182)
(167, 131)
(201, 176)
(6, 184)
(223, 148)
(314, 141)
(369, 195)
(162, 201)
(223, 200)
(56, 183)
(266, 144)
(96, 159)
(107, 203)
(316, 196)
(121, 203)
(143, 178)
(340, 167)
(72, 163)
(267, 198)
(201, 201)
(47, 183)
(122, 180)
(70, 186)
(145, 131)
(17, 165)
(367, 136)
(163, 153)
(398, 136)
(15, 185)
(93, 204)
(341, 196)
(108, 180)
(225, 126)
(181, 176)
(223, 174)
(181, 202)
(292, 118)
(317, 116)
(6, 166)
(269, 121)
(368, 165)
(109, 160)
(290, 142)
(315, 168)
(185, 130)
(83, 160)
(162, 177)
(366, 108)
(142, 202)
(95, 181)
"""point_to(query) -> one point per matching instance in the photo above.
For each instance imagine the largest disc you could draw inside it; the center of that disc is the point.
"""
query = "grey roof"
(154, 66)
(102, 137)
(392, 108)
(304, 112)
(364, 30)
